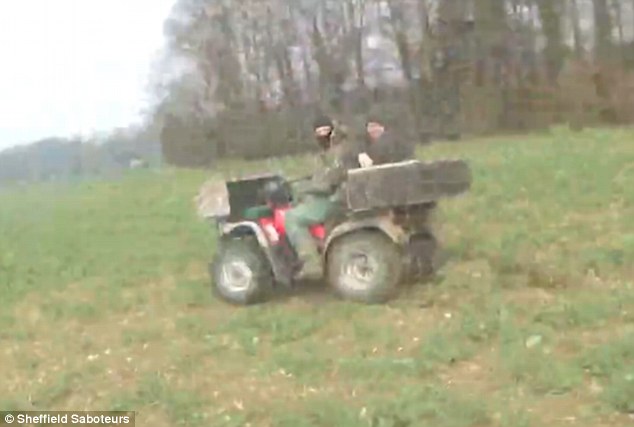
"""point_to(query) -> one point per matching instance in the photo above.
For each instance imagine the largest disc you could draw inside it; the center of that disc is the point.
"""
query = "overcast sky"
(74, 66)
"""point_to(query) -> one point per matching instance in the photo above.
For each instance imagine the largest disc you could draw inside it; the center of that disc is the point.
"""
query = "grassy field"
(106, 304)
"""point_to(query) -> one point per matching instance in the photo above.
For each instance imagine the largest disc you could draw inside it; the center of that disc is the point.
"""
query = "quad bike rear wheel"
(365, 266)
(241, 273)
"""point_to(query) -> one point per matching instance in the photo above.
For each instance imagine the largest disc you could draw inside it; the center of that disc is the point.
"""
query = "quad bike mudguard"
(383, 224)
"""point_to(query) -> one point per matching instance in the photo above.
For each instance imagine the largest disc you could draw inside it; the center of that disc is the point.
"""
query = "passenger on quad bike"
(319, 199)
(380, 146)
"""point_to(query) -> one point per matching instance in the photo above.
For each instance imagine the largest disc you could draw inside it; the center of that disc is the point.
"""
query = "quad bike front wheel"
(240, 272)
(365, 266)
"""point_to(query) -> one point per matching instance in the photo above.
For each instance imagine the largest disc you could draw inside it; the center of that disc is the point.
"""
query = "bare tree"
(253, 71)
(603, 30)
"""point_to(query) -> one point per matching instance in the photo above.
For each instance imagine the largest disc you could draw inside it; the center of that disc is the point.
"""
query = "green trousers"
(314, 210)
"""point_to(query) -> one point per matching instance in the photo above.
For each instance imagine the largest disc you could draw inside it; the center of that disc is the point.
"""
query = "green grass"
(612, 363)
(107, 304)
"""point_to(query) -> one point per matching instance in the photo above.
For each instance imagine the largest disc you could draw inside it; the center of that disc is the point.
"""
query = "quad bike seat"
(257, 212)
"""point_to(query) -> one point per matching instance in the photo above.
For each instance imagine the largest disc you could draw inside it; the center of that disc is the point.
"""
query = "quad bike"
(381, 238)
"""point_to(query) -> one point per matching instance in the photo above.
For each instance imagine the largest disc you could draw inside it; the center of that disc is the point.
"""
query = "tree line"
(56, 158)
(245, 77)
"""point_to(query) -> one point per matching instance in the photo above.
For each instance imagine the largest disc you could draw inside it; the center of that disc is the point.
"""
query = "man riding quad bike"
(375, 236)
(320, 197)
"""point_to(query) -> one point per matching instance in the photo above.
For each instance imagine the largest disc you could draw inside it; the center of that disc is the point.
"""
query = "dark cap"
(322, 120)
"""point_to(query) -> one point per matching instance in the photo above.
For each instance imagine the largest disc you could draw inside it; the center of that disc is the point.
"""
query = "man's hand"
(365, 160)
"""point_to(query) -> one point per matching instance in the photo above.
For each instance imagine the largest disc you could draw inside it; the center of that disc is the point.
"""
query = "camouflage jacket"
(331, 172)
